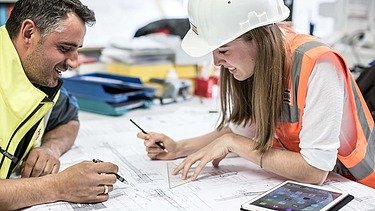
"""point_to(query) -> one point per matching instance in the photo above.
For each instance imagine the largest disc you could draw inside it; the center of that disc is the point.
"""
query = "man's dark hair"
(46, 14)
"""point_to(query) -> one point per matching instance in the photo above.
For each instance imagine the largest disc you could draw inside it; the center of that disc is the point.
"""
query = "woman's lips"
(231, 69)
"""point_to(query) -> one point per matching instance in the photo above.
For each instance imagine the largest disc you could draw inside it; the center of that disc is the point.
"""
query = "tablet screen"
(294, 196)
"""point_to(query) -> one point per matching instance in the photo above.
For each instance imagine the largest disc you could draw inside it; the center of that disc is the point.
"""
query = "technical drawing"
(207, 173)
(175, 180)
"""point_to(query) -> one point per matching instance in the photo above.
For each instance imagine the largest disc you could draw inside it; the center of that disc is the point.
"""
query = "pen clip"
(122, 179)
(13, 158)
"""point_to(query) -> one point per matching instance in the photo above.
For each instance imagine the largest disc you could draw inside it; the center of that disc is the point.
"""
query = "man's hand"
(45, 159)
(41, 161)
(86, 182)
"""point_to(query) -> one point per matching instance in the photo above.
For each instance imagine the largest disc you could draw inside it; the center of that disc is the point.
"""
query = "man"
(40, 41)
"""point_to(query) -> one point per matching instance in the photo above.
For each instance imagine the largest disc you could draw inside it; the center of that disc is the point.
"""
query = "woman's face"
(238, 57)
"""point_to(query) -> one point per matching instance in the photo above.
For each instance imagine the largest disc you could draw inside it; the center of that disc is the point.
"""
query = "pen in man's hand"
(122, 179)
(157, 143)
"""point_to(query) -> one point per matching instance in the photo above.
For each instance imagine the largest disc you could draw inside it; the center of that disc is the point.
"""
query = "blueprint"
(151, 184)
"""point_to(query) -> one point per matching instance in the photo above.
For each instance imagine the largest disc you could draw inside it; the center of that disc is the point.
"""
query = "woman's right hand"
(154, 151)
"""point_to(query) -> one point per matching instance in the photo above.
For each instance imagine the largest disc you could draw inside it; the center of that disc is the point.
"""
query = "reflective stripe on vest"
(366, 166)
(291, 112)
(36, 120)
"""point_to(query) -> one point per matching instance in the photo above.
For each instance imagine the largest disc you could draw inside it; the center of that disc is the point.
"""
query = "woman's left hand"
(215, 152)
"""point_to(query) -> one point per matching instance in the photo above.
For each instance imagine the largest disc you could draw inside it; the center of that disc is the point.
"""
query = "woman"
(288, 102)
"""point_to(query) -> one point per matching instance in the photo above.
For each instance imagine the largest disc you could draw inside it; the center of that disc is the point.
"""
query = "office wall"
(119, 19)
(343, 16)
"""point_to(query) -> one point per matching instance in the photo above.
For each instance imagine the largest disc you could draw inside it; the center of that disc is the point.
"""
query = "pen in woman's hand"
(120, 178)
(157, 143)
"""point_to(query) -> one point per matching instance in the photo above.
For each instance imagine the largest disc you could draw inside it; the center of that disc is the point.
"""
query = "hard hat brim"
(195, 46)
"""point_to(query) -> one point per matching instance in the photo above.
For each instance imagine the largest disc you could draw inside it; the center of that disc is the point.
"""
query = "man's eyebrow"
(71, 44)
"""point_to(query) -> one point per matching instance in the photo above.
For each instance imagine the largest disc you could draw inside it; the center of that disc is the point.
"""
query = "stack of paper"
(139, 50)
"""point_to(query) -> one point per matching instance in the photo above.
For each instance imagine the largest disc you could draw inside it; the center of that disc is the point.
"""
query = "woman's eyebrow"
(223, 46)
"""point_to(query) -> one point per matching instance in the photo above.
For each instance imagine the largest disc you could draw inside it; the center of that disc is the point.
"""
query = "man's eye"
(222, 51)
(64, 49)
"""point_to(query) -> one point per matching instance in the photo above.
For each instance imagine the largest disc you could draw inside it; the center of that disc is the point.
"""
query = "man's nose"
(72, 60)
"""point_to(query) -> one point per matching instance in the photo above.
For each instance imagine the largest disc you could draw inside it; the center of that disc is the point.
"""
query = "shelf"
(360, 56)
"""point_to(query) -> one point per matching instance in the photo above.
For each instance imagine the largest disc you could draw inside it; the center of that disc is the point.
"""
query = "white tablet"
(290, 196)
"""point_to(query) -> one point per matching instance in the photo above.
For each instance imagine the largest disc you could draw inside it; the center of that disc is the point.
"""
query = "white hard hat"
(214, 23)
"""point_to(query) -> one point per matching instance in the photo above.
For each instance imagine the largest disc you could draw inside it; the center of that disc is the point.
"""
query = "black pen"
(157, 143)
(122, 179)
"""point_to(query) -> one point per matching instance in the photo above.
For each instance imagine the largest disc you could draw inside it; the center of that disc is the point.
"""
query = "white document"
(151, 184)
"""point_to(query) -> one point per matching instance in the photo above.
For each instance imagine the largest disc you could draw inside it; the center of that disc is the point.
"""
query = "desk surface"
(151, 185)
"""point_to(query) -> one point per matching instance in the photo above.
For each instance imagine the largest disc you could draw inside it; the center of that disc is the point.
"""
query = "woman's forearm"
(285, 163)
(187, 146)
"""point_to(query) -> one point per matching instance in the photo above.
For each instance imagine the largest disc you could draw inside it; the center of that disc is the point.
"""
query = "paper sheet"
(152, 187)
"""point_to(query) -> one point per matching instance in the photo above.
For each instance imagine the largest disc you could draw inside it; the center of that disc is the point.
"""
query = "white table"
(152, 188)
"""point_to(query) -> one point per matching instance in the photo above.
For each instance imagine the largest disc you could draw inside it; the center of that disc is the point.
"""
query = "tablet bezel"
(249, 206)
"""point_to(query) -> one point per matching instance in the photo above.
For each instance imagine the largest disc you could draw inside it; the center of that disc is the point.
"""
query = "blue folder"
(109, 94)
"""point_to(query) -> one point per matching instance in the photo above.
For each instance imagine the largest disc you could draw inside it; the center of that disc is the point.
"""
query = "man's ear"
(27, 31)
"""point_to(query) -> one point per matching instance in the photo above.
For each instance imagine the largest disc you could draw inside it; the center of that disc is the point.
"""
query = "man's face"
(53, 54)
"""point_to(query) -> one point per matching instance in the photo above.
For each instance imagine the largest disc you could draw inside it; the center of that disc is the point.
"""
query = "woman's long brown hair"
(257, 99)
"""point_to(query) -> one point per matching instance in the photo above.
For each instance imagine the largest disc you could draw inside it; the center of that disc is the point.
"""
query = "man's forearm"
(19, 193)
(62, 138)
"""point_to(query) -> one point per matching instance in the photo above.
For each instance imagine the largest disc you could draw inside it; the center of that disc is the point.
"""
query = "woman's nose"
(218, 60)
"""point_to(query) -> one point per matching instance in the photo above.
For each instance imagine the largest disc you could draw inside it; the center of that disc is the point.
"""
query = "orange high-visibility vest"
(306, 50)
